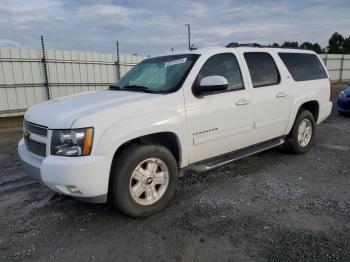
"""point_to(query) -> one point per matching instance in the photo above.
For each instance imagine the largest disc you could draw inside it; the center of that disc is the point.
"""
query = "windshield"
(163, 74)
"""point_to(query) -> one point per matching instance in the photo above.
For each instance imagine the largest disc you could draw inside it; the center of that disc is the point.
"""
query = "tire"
(293, 143)
(133, 192)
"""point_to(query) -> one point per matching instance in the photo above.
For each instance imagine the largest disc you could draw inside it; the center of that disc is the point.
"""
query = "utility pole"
(46, 75)
(118, 61)
(189, 35)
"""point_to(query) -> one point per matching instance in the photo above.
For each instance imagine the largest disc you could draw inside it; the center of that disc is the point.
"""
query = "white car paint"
(232, 120)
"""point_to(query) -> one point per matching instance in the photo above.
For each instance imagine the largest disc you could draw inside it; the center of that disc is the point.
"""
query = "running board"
(235, 155)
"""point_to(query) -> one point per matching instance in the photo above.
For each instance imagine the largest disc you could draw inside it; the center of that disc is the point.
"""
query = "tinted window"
(303, 67)
(262, 69)
(225, 65)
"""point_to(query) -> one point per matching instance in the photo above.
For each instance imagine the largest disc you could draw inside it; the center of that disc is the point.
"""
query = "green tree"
(335, 44)
(306, 45)
(290, 44)
(346, 45)
(317, 48)
(275, 45)
(310, 46)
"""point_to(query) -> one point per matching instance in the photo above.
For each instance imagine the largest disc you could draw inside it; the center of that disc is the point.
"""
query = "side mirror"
(211, 84)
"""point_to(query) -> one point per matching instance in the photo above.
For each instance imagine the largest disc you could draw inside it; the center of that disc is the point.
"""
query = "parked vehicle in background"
(344, 101)
(188, 111)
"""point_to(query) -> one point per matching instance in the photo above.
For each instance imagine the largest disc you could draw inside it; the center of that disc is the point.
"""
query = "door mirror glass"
(211, 84)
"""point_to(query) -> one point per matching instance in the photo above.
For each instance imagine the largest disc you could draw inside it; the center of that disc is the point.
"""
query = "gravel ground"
(268, 207)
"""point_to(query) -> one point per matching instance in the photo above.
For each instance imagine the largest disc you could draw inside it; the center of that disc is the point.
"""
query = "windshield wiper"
(114, 87)
(138, 88)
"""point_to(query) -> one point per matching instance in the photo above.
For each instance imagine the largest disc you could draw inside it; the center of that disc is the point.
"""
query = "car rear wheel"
(143, 180)
(302, 134)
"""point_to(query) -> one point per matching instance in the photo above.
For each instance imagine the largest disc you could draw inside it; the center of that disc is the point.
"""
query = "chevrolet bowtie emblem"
(26, 134)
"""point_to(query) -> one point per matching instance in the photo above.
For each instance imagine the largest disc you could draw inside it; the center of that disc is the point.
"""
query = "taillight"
(330, 89)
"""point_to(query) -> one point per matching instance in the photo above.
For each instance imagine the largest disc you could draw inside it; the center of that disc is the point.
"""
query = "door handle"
(281, 95)
(242, 102)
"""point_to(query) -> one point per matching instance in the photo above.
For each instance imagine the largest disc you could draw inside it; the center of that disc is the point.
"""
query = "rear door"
(270, 96)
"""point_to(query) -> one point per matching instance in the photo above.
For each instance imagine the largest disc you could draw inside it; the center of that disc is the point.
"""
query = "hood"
(62, 112)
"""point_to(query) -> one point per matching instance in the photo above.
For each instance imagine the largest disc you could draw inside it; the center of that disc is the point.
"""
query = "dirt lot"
(269, 207)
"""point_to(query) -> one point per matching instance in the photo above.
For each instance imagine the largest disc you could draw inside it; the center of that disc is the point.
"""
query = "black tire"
(123, 167)
(344, 114)
(292, 143)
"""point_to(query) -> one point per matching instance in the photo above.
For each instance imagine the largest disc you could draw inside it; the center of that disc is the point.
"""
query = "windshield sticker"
(175, 62)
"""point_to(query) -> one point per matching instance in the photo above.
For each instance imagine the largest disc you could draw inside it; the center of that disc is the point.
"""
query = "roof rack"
(235, 44)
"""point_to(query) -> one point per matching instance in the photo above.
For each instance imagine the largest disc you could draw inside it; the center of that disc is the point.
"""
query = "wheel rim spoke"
(300, 137)
(152, 166)
(160, 178)
(138, 189)
(151, 193)
(139, 173)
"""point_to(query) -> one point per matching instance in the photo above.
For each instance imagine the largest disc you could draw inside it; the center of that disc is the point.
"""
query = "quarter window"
(303, 67)
(225, 65)
(262, 68)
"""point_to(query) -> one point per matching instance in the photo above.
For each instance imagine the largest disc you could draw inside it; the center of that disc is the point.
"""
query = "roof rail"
(235, 44)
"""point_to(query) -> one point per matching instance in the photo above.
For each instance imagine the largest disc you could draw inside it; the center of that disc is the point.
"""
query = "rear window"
(262, 68)
(303, 67)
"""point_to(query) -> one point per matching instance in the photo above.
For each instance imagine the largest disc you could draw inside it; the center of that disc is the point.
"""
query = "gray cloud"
(151, 27)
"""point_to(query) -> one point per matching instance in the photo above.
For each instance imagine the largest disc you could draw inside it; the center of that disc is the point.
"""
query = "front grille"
(37, 129)
(35, 147)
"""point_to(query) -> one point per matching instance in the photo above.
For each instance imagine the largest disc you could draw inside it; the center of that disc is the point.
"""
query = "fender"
(144, 124)
(297, 103)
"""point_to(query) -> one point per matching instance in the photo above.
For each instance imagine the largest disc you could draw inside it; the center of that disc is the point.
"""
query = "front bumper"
(85, 178)
(344, 104)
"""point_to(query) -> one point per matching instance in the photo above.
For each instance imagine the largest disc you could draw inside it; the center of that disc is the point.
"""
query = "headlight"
(72, 142)
(342, 94)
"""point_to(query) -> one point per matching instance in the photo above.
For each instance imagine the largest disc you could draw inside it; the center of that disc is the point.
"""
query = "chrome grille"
(35, 147)
(37, 129)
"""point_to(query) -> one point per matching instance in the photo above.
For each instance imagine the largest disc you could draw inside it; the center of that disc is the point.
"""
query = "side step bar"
(233, 156)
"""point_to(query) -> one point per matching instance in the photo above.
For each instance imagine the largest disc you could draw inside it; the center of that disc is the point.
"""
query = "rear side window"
(225, 65)
(262, 69)
(303, 67)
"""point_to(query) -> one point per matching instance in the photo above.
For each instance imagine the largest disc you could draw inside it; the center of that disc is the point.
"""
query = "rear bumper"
(85, 178)
(325, 111)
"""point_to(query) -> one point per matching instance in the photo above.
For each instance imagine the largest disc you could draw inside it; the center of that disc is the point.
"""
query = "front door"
(219, 122)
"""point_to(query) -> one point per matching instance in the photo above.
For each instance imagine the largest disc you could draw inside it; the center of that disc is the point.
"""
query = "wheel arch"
(167, 139)
(311, 105)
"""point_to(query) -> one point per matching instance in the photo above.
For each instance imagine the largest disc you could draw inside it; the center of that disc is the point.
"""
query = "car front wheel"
(143, 179)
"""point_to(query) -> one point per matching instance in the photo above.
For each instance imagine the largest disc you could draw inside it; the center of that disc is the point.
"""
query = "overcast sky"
(155, 26)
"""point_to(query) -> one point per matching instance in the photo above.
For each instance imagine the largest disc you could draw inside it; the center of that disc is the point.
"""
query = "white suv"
(188, 111)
